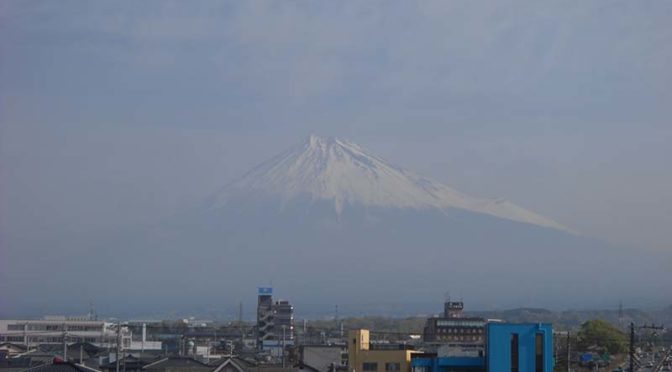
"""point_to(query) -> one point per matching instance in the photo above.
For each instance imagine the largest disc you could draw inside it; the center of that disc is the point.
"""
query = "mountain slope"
(341, 172)
(328, 223)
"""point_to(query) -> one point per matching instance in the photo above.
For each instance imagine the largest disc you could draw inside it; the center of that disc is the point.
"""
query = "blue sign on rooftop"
(265, 290)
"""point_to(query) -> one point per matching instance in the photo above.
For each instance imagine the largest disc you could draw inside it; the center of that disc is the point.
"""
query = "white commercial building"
(59, 330)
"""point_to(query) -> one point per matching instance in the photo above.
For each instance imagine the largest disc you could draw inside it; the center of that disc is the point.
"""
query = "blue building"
(519, 347)
(509, 348)
(435, 363)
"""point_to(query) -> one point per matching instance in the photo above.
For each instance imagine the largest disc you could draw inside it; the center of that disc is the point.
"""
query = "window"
(514, 352)
(369, 366)
(539, 352)
(392, 367)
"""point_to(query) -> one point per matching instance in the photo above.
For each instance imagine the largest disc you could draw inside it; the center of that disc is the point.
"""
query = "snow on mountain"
(339, 171)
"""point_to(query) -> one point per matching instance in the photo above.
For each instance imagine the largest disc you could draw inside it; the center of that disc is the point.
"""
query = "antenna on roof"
(92, 311)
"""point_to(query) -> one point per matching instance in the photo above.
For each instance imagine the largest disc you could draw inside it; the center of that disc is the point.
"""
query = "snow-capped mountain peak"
(339, 171)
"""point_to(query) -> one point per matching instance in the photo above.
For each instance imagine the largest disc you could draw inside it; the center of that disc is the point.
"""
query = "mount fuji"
(327, 222)
(342, 173)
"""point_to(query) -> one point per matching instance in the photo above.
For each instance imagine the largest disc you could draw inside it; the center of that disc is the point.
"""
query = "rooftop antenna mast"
(92, 311)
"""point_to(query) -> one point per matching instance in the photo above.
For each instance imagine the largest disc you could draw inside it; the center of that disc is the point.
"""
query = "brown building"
(454, 330)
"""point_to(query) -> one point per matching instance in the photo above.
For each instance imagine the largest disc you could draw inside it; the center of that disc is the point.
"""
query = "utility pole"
(118, 345)
(632, 347)
(569, 358)
(144, 337)
(81, 353)
(65, 344)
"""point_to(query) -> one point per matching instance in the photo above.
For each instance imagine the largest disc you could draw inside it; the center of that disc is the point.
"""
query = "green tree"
(604, 335)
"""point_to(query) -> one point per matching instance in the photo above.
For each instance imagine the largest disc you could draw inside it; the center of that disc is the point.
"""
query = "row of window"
(459, 323)
(460, 330)
(373, 366)
(46, 339)
(460, 338)
(51, 327)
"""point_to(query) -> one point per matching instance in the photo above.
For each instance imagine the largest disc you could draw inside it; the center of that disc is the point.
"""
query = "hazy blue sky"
(118, 113)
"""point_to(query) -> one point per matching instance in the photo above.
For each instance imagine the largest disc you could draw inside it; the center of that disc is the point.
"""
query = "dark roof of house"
(176, 361)
(20, 362)
(13, 345)
(304, 367)
(37, 356)
(237, 363)
(58, 366)
(87, 347)
(130, 361)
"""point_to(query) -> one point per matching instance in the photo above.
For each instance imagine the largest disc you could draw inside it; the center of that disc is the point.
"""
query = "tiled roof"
(62, 367)
(176, 362)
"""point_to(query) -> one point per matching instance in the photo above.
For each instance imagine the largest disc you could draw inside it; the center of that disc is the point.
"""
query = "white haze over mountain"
(326, 222)
(339, 171)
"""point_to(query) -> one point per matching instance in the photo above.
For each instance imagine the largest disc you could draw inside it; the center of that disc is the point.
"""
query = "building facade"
(509, 348)
(520, 347)
(54, 330)
(283, 319)
(275, 322)
(265, 323)
(365, 357)
(453, 332)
